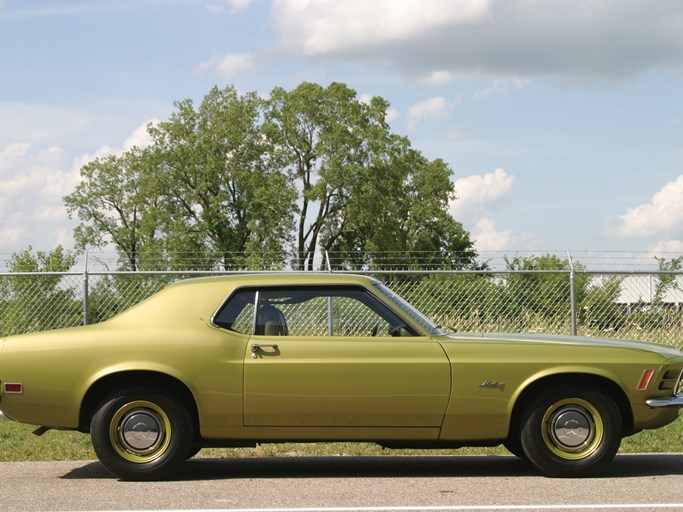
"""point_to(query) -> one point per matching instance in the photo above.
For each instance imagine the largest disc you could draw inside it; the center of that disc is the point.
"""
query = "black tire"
(514, 445)
(140, 434)
(571, 433)
(194, 450)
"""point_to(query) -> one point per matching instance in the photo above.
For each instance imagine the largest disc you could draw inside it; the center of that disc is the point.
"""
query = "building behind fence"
(627, 305)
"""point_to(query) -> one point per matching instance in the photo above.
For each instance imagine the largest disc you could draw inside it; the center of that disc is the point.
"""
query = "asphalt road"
(348, 484)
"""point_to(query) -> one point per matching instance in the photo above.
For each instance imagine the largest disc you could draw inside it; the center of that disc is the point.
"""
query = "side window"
(351, 317)
(237, 314)
(325, 311)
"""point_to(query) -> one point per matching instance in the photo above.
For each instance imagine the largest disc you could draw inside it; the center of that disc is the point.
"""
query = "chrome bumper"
(673, 402)
(4, 418)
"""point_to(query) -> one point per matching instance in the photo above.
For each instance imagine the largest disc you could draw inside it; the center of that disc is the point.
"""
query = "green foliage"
(118, 203)
(667, 279)
(28, 304)
(111, 295)
(532, 296)
(239, 181)
(220, 193)
(538, 292)
(599, 309)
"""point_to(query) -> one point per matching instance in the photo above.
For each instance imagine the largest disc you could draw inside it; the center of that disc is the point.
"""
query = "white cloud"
(477, 195)
(500, 86)
(229, 6)
(319, 27)
(9, 236)
(432, 108)
(441, 77)
(568, 39)
(392, 114)
(140, 136)
(33, 182)
(488, 238)
(666, 248)
(662, 216)
(227, 66)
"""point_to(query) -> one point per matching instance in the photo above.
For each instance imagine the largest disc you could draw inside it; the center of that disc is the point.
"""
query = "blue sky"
(562, 120)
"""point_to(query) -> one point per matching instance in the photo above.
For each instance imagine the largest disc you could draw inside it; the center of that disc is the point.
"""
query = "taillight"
(13, 388)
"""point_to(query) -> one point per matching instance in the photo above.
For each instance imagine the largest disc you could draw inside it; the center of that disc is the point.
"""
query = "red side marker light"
(13, 388)
(645, 380)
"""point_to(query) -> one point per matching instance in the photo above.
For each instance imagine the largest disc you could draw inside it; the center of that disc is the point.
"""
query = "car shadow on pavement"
(624, 466)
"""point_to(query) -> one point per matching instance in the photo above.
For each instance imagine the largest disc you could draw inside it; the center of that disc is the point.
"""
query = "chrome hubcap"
(141, 431)
(571, 428)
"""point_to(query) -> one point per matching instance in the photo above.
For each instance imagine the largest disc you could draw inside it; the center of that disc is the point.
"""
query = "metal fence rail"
(629, 305)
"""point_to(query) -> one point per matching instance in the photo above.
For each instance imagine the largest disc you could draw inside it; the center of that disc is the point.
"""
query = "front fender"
(483, 402)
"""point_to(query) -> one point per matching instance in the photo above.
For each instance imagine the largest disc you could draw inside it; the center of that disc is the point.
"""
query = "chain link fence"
(627, 305)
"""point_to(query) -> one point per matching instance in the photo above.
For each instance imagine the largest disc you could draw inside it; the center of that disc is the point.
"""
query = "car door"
(337, 356)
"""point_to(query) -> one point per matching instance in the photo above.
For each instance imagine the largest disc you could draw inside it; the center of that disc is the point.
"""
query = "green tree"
(362, 189)
(237, 181)
(221, 193)
(600, 309)
(667, 279)
(398, 216)
(205, 187)
(31, 303)
(321, 140)
(118, 203)
(541, 291)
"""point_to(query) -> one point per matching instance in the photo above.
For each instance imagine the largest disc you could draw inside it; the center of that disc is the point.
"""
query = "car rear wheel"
(571, 433)
(141, 434)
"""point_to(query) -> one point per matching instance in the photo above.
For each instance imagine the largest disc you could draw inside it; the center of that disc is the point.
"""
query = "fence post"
(572, 292)
(329, 265)
(86, 292)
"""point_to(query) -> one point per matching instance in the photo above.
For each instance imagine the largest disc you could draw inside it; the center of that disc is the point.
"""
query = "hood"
(550, 339)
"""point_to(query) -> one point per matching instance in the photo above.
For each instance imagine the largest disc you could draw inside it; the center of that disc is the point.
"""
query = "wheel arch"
(160, 382)
(572, 379)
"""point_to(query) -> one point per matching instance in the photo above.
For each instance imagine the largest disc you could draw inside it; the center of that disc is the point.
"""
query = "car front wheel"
(571, 433)
(140, 434)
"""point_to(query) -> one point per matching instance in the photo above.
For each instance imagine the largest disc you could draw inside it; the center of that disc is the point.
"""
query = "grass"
(17, 443)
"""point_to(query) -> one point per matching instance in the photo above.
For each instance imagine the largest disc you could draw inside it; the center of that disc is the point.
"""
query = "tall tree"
(398, 214)
(221, 192)
(361, 187)
(117, 203)
(239, 180)
(321, 137)
(204, 188)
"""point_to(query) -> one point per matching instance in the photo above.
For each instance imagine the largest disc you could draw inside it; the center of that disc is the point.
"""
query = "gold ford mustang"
(234, 361)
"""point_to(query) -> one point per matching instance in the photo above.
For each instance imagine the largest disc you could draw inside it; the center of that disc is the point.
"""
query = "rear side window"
(237, 314)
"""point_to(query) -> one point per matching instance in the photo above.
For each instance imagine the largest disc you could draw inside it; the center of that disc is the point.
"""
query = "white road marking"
(444, 508)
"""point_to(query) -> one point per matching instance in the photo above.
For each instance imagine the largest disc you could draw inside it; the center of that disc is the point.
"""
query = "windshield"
(409, 310)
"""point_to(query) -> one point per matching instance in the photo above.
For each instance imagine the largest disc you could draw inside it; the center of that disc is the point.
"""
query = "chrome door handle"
(256, 346)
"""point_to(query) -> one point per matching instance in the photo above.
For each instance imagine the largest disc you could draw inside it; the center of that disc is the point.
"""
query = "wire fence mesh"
(627, 305)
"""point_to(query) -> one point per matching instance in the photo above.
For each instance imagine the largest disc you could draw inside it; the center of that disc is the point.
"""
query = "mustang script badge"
(489, 384)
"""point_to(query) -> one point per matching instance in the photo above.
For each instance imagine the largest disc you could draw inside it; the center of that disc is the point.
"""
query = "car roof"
(201, 294)
(280, 279)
